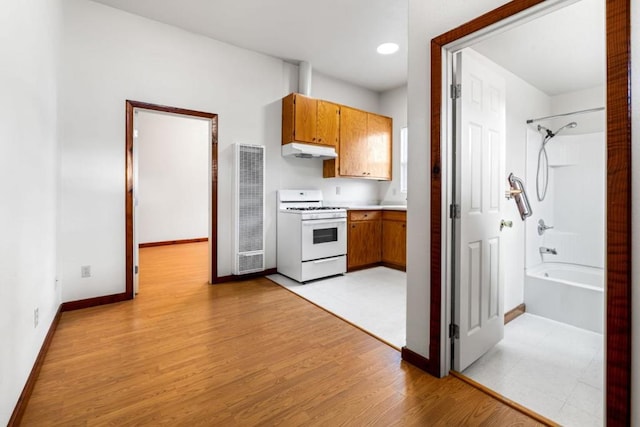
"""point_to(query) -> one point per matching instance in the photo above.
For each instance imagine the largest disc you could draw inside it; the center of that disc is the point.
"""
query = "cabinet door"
(328, 126)
(394, 242)
(364, 243)
(379, 146)
(353, 143)
(305, 125)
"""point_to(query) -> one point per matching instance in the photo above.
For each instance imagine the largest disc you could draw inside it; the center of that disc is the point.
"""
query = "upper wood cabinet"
(309, 120)
(379, 130)
(364, 150)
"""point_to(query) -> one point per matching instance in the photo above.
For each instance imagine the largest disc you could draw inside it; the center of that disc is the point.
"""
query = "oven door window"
(325, 235)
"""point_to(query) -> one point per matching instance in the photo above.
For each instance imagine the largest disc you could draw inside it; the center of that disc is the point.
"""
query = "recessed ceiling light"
(387, 48)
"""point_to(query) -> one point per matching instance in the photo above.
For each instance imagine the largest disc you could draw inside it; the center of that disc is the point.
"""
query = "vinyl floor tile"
(549, 367)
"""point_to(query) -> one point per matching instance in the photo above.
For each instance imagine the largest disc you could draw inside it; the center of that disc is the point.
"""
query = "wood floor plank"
(247, 353)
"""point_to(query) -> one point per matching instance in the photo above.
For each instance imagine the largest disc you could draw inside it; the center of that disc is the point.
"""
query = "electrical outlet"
(338, 190)
(85, 271)
(36, 317)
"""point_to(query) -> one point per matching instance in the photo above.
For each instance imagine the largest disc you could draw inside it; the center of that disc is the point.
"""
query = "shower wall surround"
(575, 203)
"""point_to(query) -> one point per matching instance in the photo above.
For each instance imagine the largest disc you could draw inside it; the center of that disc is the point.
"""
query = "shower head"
(550, 134)
(567, 126)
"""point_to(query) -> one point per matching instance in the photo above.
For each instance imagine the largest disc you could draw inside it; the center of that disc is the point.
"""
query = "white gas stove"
(312, 239)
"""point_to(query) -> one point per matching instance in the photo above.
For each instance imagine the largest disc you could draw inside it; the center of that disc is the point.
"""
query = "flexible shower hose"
(541, 153)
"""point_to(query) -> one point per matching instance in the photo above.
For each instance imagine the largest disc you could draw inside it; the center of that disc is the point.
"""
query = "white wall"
(173, 177)
(29, 48)
(576, 101)
(393, 103)
(152, 62)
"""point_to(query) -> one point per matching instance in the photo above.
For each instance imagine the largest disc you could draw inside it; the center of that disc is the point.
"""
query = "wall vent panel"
(249, 239)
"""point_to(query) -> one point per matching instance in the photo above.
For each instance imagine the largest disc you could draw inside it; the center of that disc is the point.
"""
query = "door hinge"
(454, 211)
(454, 331)
(456, 91)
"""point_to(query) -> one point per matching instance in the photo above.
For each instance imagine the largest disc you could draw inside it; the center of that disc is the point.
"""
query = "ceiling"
(560, 52)
(339, 38)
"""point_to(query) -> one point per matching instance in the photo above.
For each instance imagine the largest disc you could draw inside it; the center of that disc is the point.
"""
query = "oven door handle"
(314, 222)
(322, 261)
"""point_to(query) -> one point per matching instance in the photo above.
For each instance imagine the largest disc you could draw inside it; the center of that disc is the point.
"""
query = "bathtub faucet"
(551, 251)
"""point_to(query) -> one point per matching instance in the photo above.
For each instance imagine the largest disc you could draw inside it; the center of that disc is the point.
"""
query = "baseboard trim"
(92, 302)
(173, 242)
(241, 277)
(23, 400)
(363, 267)
(515, 312)
(394, 266)
(419, 361)
(526, 411)
(377, 264)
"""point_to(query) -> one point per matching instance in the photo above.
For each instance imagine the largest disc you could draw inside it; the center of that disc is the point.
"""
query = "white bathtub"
(567, 293)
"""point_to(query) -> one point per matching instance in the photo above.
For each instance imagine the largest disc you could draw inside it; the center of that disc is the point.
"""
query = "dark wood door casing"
(130, 108)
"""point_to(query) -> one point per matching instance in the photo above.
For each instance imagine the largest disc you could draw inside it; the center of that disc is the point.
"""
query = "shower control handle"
(542, 227)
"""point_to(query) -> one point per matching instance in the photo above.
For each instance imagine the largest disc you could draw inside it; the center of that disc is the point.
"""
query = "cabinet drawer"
(394, 215)
(364, 215)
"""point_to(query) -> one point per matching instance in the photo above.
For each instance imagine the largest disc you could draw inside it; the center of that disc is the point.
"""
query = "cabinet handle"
(353, 226)
(366, 215)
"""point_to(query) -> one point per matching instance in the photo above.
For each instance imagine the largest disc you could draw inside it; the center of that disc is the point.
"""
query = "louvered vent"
(249, 208)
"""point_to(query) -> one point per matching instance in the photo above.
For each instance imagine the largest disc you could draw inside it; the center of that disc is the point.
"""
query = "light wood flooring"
(247, 353)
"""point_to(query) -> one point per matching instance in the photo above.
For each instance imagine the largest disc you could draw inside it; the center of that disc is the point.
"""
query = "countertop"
(377, 208)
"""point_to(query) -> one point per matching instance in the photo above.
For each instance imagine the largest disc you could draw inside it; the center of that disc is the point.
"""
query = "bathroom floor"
(549, 367)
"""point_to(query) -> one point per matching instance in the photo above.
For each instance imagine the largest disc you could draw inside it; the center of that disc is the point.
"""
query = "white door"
(480, 186)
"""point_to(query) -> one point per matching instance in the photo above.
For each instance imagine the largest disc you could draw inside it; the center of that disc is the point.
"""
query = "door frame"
(618, 222)
(131, 106)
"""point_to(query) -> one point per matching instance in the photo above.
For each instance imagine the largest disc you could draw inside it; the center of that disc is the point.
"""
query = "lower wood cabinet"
(394, 239)
(376, 237)
(364, 239)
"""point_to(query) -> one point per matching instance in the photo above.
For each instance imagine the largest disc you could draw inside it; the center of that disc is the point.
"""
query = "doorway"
(618, 142)
(171, 185)
(131, 178)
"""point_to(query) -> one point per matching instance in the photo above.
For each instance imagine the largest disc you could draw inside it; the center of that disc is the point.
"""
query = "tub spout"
(551, 251)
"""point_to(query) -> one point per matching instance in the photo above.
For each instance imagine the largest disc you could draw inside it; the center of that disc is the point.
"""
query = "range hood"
(308, 151)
